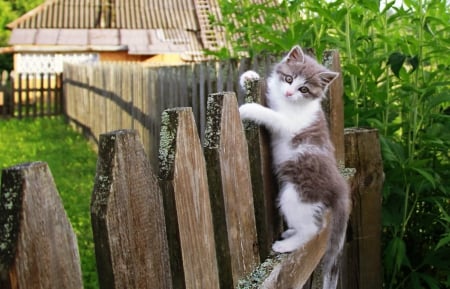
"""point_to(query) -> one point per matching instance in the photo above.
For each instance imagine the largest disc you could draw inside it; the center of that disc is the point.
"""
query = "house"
(151, 31)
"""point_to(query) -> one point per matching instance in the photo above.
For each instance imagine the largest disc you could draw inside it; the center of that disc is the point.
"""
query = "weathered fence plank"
(127, 216)
(291, 270)
(264, 183)
(185, 187)
(295, 268)
(230, 187)
(362, 152)
(334, 104)
(38, 248)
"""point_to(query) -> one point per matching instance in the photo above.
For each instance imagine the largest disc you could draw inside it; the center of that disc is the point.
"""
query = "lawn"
(72, 162)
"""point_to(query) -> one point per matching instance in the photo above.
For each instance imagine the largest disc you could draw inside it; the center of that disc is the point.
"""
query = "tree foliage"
(396, 64)
(9, 11)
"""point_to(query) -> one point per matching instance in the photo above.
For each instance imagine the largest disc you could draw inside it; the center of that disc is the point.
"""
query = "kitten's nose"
(288, 93)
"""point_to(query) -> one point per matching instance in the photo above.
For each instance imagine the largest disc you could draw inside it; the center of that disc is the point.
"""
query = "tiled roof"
(122, 14)
(142, 26)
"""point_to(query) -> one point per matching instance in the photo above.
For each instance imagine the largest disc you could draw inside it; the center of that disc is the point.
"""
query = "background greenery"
(72, 162)
(396, 62)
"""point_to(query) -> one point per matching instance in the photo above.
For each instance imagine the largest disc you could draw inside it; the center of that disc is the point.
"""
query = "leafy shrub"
(396, 64)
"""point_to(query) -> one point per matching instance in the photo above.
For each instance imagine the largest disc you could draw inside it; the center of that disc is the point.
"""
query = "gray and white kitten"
(303, 156)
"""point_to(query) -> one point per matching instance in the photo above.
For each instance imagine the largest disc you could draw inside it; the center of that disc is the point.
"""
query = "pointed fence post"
(230, 189)
(38, 248)
(127, 216)
(187, 202)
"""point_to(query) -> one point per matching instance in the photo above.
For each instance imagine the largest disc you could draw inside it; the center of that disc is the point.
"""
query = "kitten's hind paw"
(287, 245)
(249, 75)
(288, 233)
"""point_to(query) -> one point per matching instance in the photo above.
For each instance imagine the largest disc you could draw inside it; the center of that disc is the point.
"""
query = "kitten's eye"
(303, 89)
(288, 79)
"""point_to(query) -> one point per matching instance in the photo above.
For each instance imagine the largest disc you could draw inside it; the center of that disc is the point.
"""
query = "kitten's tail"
(331, 261)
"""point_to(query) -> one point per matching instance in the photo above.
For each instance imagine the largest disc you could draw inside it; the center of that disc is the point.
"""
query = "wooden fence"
(5, 95)
(206, 220)
(109, 96)
(30, 95)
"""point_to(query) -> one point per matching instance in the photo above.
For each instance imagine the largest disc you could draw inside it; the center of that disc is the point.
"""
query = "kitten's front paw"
(249, 75)
(249, 110)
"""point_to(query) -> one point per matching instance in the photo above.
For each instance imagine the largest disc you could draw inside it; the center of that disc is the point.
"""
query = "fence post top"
(27, 166)
(28, 194)
(120, 132)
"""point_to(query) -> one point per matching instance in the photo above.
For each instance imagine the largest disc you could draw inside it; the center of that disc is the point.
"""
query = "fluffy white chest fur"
(290, 124)
(285, 118)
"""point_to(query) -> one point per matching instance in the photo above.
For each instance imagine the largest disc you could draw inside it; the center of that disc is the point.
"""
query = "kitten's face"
(299, 77)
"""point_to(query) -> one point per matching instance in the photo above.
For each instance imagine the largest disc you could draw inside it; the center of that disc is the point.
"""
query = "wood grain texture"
(334, 104)
(362, 152)
(127, 216)
(230, 182)
(183, 173)
(281, 271)
(38, 248)
(295, 269)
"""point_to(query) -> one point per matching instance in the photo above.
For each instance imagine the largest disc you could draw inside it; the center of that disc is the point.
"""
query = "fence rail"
(31, 95)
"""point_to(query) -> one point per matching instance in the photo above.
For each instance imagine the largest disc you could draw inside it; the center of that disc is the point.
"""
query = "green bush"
(396, 63)
(72, 163)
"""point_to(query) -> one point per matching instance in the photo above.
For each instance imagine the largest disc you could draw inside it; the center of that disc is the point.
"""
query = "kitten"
(303, 156)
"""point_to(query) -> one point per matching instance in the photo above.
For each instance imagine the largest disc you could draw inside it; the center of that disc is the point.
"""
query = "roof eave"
(66, 48)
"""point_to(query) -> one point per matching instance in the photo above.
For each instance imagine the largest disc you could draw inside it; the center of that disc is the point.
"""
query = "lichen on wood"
(213, 119)
(10, 207)
(32, 216)
(255, 279)
(347, 173)
(252, 90)
(103, 177)
(328, 58)
(167, 145)
(252, 94)
(290, 270)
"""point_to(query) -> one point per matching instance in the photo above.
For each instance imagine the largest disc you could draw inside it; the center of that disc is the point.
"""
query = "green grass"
(72, 162)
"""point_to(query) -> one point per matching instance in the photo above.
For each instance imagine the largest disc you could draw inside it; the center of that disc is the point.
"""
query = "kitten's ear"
(296, 55)
(328, 77)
